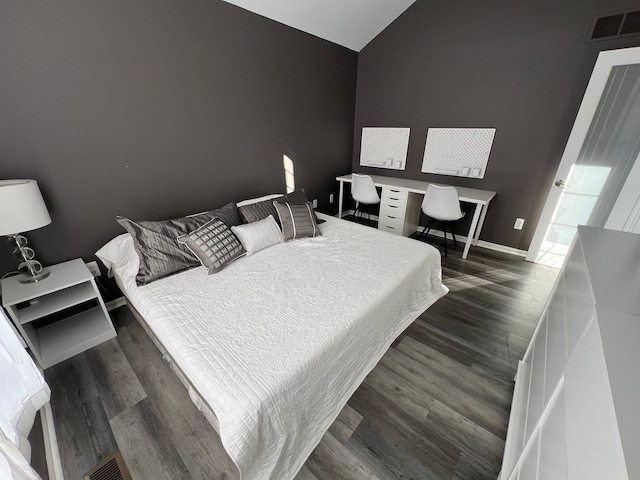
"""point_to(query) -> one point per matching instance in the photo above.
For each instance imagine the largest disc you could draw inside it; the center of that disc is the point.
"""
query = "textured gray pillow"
(258, 235)
(297, 221)
(258, 211)
(298, 197)
(214, 244)
(155, 243)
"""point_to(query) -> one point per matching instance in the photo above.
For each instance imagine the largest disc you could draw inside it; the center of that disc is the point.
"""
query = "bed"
(273, 346)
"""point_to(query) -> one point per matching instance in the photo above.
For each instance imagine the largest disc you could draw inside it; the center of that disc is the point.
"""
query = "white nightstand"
(60, 316)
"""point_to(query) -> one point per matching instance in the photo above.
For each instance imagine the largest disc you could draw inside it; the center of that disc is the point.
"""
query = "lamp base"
(27, 278)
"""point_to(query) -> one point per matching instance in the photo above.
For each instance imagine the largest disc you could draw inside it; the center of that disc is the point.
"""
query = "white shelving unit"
(38, 313)
(574, 413)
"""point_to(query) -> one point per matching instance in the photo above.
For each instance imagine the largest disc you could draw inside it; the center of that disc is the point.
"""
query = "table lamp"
(22, 209)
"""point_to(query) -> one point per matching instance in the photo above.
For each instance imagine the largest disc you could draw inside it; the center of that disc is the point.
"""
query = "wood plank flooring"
(435, 407)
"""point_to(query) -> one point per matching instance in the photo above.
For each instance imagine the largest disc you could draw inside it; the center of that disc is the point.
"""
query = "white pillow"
(116, 252)
(258, 235)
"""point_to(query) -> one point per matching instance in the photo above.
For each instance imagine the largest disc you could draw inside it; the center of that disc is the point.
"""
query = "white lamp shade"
(21, 207)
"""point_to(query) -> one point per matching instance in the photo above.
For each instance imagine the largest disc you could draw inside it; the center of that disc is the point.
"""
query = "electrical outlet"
(331, 198)
(315, 203)
(93, 268)
(519, 223)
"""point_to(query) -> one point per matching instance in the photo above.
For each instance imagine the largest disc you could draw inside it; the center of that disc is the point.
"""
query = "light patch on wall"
(289, 174)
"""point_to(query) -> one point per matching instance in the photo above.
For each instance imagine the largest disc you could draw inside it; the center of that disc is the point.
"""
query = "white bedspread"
(277, 342)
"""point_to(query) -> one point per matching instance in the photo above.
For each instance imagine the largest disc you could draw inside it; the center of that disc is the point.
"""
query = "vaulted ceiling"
(350, 23)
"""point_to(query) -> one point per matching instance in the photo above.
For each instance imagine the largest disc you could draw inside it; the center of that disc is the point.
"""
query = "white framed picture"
(461, 152)
(383, 147)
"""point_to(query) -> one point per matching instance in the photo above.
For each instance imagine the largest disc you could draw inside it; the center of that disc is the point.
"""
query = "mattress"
(277, 342)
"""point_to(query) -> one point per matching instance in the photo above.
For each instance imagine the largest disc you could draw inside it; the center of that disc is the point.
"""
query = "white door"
(599, 156)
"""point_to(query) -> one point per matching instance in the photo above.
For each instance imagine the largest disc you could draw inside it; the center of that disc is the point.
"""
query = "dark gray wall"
(156, 109)
(521, 67)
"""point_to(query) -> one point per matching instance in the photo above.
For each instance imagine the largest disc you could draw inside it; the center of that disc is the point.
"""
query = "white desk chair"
(364, 192)
(441, 204)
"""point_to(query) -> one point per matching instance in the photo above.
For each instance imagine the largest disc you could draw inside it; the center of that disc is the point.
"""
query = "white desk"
(406, 197)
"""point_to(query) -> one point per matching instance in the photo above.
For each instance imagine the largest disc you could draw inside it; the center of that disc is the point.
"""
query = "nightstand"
(60, 316)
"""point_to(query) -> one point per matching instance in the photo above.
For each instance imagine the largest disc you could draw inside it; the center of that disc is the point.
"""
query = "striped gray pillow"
(258, 235)
(214, 244)
(258, 211)
(298, 221)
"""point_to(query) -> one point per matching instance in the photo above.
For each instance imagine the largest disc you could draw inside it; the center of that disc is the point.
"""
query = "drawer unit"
(399, 211)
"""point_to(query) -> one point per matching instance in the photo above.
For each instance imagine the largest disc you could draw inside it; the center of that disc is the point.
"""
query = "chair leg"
(444, 228)
(424, 229)
(455, 242)
(429, 225)
(355, 213)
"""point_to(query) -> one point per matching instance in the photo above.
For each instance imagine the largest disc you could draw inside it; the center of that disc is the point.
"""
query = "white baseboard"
(52, 453)
(461, 238)
(488, 245)
(117, 303)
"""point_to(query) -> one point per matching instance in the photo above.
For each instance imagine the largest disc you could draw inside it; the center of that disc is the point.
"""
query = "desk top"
(472, 195)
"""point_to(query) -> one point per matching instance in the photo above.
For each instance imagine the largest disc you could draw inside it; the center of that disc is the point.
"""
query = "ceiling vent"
(615, 25)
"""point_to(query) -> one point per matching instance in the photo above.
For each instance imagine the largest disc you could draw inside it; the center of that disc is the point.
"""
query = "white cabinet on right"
(577, 395)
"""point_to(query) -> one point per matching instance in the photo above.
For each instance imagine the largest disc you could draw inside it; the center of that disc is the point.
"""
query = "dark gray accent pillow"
(297, 220)
(229, 214)
(258, 211)
(214, 244)
(298, 197)
(159, 252)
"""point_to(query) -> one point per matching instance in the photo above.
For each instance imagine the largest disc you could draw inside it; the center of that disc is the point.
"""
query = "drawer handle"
(389, 216)
(394, 191)
(393, 206)
(392, 228)
(391, 198)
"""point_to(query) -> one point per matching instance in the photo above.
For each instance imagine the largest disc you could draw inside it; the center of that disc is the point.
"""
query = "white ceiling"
(350, 23)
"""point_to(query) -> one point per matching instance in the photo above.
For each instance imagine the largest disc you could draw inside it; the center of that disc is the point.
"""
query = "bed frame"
(194, 393)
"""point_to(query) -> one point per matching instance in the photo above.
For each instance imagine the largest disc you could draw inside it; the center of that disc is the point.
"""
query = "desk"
(405, 196)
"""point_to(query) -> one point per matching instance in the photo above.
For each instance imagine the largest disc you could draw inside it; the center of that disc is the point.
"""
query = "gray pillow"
(214, 244)
(155, 243)
(229, 214)
(298, 197)
(258, 211)
(297, 220)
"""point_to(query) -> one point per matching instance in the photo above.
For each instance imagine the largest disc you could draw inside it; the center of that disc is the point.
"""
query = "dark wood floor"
(435, 407)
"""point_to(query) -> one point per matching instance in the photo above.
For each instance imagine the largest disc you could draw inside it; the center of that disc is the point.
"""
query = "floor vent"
(614, 25)
(111, 468)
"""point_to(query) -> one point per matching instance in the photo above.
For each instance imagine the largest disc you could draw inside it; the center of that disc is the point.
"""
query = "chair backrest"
(442, 203)
(363, 189)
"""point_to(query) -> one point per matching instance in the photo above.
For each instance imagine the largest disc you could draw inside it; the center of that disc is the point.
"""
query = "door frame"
(606, 61)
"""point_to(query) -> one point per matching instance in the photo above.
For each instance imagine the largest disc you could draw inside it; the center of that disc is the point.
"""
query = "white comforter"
(277, 342)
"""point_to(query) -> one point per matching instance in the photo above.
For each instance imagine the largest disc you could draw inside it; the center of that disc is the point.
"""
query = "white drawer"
(390, 227)
(397, 211)
(390, 193)
(392, 221)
